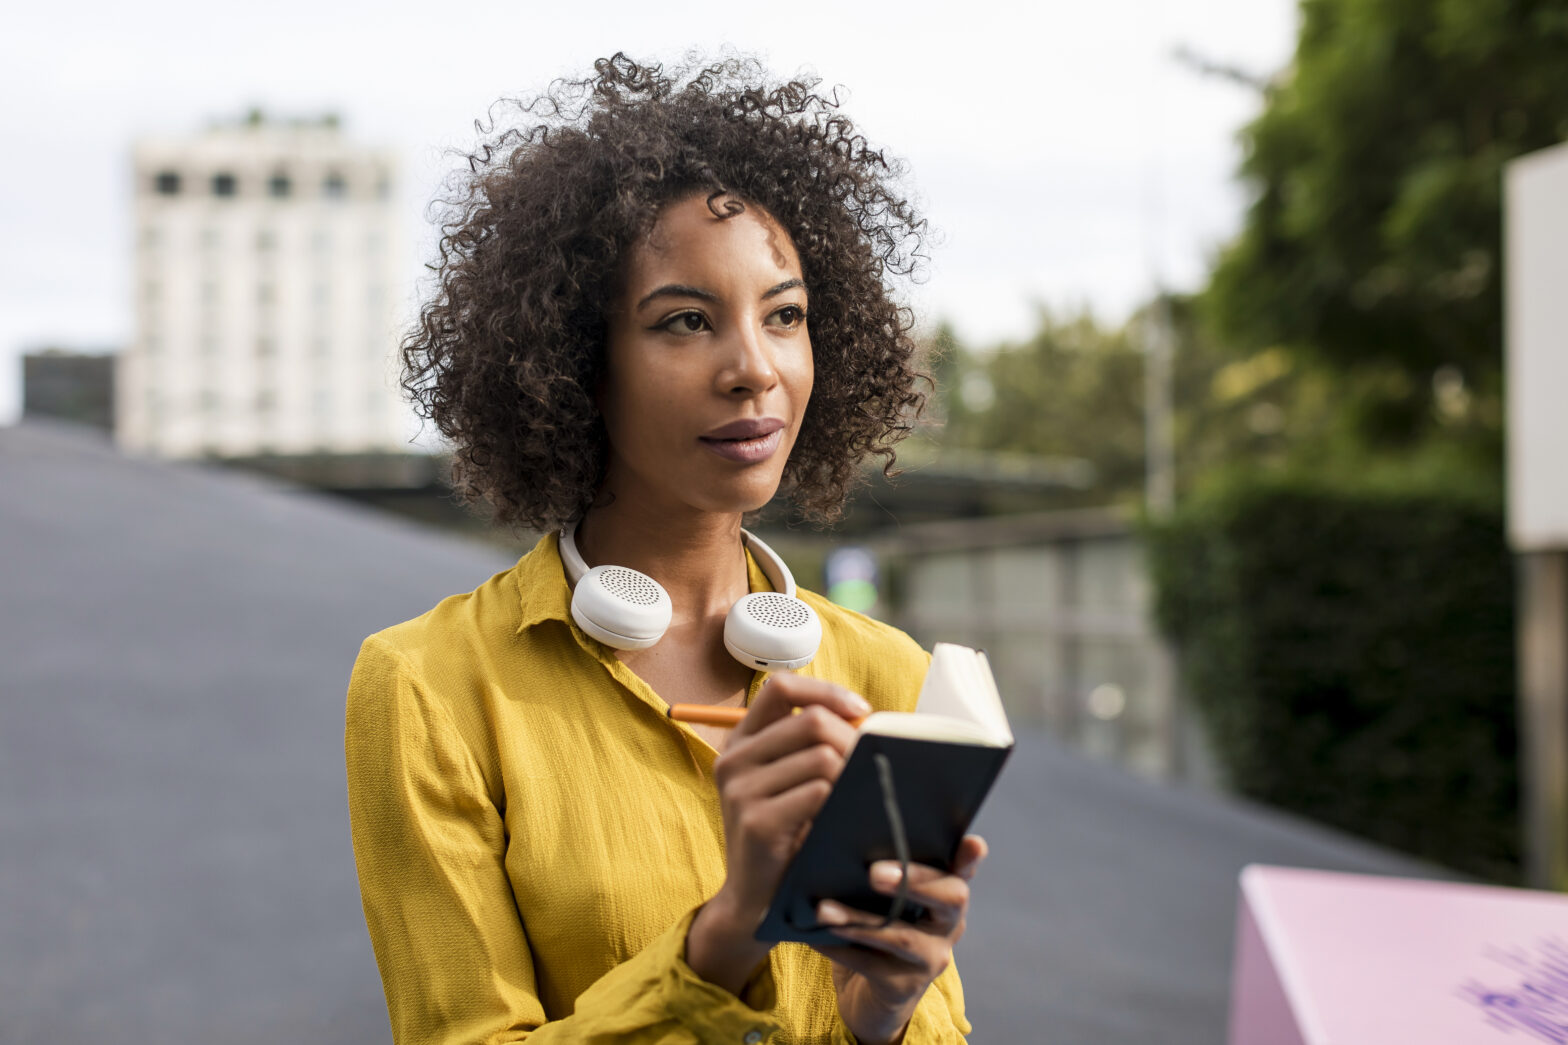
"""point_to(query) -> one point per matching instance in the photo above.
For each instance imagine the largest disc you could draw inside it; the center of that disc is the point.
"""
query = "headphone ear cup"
(772, 631)
(621, 608)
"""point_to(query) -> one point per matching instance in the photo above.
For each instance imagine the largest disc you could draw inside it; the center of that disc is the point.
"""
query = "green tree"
(1073, 390)
(1373, 246)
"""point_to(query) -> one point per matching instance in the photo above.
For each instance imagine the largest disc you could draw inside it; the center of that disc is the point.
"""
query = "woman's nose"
(748, 364)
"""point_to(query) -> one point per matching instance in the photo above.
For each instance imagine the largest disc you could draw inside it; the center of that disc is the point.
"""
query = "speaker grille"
(778, 611)
(630, 586)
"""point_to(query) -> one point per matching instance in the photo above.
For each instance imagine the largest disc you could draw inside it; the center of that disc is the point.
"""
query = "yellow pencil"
(707, 715)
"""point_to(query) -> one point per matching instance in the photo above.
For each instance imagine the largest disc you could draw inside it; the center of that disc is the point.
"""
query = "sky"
(1063, 154)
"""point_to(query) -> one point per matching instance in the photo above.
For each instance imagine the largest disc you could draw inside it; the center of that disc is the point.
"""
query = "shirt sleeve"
(939, 1018)
(430, 846)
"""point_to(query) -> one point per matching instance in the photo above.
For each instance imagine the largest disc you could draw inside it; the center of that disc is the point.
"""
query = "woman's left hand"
(880, 982)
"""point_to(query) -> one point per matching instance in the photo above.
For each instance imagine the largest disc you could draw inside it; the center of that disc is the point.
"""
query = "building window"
(167, 183)
(335, 188)
(223, 184)
(279, 186)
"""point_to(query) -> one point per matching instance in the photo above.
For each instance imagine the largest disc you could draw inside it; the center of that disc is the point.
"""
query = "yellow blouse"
(533, 834)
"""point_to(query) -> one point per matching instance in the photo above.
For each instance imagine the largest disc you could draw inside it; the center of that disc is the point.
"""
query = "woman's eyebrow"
(682, 290)
(788, 284)
(679, 290)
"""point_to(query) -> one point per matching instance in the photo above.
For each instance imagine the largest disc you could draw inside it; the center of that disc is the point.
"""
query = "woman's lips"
(745, 444)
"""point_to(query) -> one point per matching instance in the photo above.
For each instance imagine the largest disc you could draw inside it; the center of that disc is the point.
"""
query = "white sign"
(1536, 292)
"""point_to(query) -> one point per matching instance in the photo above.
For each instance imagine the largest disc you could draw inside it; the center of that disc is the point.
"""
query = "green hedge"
(1353, 657)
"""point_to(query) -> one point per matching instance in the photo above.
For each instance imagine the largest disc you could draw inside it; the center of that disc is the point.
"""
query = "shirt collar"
(541, 584)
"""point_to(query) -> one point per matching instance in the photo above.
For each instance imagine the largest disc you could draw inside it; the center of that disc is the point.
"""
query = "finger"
(972, 851)
(814, 725)
(901, 940)
(944, 896)
(940, 922)
(779, 821)
(783, 692)
(836, 915)
(817, 762)
(872, 964)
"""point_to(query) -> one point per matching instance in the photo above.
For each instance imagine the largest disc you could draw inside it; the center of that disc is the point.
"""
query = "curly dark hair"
(506, 357)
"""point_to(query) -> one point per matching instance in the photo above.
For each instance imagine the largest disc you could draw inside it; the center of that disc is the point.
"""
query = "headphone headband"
(571, 558)
(773, 567)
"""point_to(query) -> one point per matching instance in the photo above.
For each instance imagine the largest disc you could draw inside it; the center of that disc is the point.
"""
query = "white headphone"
(624, 609)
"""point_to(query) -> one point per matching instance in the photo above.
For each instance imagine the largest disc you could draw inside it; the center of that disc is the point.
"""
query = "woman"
(658, 304)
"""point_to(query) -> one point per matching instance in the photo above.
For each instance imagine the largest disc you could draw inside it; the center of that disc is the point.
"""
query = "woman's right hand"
(774, 774)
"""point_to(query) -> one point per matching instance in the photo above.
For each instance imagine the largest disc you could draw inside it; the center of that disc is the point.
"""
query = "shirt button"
(752, 1037)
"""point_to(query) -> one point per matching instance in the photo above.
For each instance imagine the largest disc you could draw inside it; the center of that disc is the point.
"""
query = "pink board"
(1340, 959)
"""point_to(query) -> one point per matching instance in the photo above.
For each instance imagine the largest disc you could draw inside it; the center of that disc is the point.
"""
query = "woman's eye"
(685, 323)
(790, 316)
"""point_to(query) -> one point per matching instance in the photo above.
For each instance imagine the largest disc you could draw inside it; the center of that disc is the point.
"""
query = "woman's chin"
(739, 500)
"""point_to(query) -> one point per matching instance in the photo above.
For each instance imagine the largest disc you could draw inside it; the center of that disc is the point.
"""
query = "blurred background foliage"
(1355, 322)
(1338, 395)
(1374, 244)
(1351, 653)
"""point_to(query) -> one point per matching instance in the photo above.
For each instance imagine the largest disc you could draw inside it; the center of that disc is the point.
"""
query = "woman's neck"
(696, 556)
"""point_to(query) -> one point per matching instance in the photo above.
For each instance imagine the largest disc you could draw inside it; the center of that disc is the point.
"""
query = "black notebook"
(937, 764)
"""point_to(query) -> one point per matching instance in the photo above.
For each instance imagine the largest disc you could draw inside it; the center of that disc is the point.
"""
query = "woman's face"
(709, 363)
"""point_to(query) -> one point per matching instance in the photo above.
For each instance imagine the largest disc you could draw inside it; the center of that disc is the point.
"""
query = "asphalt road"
(174, 855)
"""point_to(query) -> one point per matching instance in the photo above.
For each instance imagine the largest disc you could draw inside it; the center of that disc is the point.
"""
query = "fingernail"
(830, 913)
(860, 705)
(885, 874)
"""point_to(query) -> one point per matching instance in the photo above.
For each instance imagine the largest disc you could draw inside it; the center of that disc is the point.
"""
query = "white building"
(269, 269)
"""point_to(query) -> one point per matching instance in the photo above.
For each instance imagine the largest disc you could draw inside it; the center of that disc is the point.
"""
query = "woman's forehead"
(695, 233)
